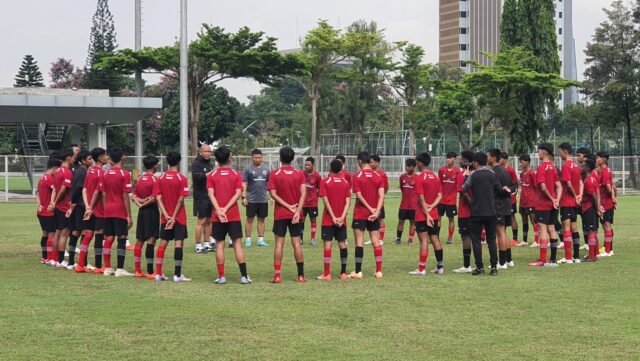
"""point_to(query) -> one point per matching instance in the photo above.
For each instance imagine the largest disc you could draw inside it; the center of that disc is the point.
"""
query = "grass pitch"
(576, 312)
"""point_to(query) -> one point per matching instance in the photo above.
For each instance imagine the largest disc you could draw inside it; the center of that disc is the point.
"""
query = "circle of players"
(86, 195)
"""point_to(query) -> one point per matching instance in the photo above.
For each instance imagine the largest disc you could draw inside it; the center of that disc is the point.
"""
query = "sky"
(52, 29)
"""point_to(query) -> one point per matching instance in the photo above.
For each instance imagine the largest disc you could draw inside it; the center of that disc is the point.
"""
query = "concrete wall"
(52, 91)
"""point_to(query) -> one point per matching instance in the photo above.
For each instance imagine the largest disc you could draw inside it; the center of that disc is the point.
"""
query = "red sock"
(106, 252)
(160, 259)
(412, 233)
(591, 239)
(137, 255)
(377, 252)
(544, 244)
(50, 253)
(597, 245)
(483, 235)
(567, 239)
(608, 240)
(313, 229)
(84, 248)
(536, 235)
(452, 228)
(221, 270)
(327, 262)
(277, 268)
(382, 230)
(422, 261)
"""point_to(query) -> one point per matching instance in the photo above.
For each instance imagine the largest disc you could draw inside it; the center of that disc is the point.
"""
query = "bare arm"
(435, 201)
(298, 211)
(277, 199)
(127, 206)
(162, 208)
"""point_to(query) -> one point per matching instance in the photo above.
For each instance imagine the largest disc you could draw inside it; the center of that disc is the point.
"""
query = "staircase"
(37, 140)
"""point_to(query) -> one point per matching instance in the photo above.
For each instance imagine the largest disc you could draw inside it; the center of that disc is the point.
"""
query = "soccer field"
(575, 312)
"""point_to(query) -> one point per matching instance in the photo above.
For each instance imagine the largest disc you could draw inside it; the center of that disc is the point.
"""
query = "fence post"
(624, 174)
(6, 178)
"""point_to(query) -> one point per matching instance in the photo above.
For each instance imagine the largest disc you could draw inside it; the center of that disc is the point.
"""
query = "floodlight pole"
(138, 46)
(184, 98)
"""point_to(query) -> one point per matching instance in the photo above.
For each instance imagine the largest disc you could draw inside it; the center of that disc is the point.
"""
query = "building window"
(463, 47)
(559, 31)
(560, 14)
(463, 31)
(559, 47)
(463, 64)
(463, 14)
(560, 96)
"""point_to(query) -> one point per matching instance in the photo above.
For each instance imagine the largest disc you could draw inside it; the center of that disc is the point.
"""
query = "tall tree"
(29, 74)
(64, 74)
(538, 34)
(510, 25)
(102, 43)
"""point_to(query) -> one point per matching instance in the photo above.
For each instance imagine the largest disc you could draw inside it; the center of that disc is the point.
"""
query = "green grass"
(577, 312)
(17, 184)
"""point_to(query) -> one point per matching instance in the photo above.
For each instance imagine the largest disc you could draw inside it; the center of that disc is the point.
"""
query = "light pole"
(184, 96)
(138, 46)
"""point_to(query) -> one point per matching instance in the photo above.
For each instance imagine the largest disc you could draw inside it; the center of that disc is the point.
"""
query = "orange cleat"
(131, 248)
(99, 271)
(276, 279)
(514, 243)
(301, 279)
(344, 276)
(139, 274)
(150, 276)
(81, 269)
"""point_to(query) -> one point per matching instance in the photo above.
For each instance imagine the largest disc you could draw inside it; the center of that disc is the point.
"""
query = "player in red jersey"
(344, 173)
(173, 188)
(368, 187)
(310, 208)
(504, 161)
(581, 155)
(287, 188)
(116, 186)
(548, 194)
(407, 211)
(148, 222)
(608, 201)
(336, 195)
(590, 208)
(527, 200)
(94, 212)
(375, 165)
(429, 193)
(448, 176)
(571, 177)
(45, 195)
(464, 211)
(61, 206)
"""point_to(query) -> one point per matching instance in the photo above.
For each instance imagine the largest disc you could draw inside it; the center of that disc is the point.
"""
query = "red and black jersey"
(449, 184)
(93, 183)
(606, 179)
(368, 183)
(528, 189)
(225, 182)
(171, 186)
(337, 191)
(116, 182)
(427, 185)
(63, 177)
(408, 189)
(570, 173)
(546, 174)
(312, 184)
(286, 181)
(46, 185)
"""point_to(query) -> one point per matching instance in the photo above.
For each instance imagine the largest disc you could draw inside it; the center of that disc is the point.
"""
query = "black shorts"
(312, 212)
(514, 208)
(463, 226)
(329, 233)
(98, 223)
(362, 224)
(178, 232)
(281, 226)
(450, 210)
(525, 211)
(503, 220)
(202, 208)
(549, 218)
(590, 220)
(383, 214)
(406, 214)
(47, 223)
(148, 223)
(257, 209)
(422, 227)
(233, 229)
(62, 222)
(608, 216)
(76, 219)
(568, 213)
(115, 227)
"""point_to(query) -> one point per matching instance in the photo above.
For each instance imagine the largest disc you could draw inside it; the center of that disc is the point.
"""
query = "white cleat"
(511, 264)
(437, 271)
(418, 273)
(534, 245)
(90, 267)
(367, 242)
(585, 247)
(381, 242)
(181, 279)
(522, 244)
(576, 260)
(52, 263)
(71, 266)
(109, 272)
(160, 278)
(565, 261)
(121, 272)
(245, 280)
(463, 270)
(502, 266)
(62, 264)
(551, 265)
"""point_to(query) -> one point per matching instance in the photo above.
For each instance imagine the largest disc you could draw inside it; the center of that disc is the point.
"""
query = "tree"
(538, 34)
(29, 74)
(510, 25)
(102, 43)
(456, 107)
(64, 74)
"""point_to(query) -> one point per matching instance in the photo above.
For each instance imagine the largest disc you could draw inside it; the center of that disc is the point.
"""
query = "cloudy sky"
(52, 29)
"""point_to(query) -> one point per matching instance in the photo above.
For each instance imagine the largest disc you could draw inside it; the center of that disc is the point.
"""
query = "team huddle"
(86, 195)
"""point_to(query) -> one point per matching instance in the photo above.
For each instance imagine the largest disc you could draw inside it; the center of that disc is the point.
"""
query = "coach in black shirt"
(503, 207)
(202, 207)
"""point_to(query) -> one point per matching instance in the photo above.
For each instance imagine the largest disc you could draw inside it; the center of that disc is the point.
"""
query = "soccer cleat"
(230, 243)
(377, 275)
(109, 272)
(381, 242)
(343, 276)
(537, 264)
(80, 269)
(62, 264)
(604, 254)
(576, 260)
(417, 272)
(138, 274)
(247, 243)
(161, 278)
(367, 242)
(276, 279)
(522, 244)
(397, 242)
(245, 280)
(477, 272)
(494, 272)
(324, 277)
(551, 264)
(356, 276)
(71, 266)
(200, 250)
(511, 264)
(43, 261)
(181, 279)
(150, 276)
(463, 270)
(514, 243)
(410, 243)
(301, 279)
(263, 244)
(437, 271)
(483, 242)
(502, 266)
(90, 267)
(585, 247)
(220, 281)
(449, 241)
(99, 271)
(208, 248)
(51, 263)
(589, 260)
(565, 261)
(121, 272)
(312, 242)
(534, 245)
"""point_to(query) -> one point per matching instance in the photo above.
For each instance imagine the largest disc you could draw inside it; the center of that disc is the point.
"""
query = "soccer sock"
(43, 246)
(377, 252)
(452, 228)
(591, 238)
(177, 256)
(382, 230)
(243, 269)
(51, 256)
(597, 244)
(60, 256)
(121, 251)
(106, 252)
(148, 253)
(160, 259)
(248, 240)
(398, 235)
(525, 232)
(84, 248)
(466, 255)
(502, 256)
(554, 249)
(567, 239)
(220, 270)
(412, 233)
(97, 249)
(544, 244)
(575, 238)
(515, 234)
(509, 259)
(439, 258)
(300, 266)
(71, 248)
(313, 229)
(327, 262)
(343, 260)
(137, 257)
(277, 268)
(536, 234)
(358, 258)
(608, 240)
(260, 238)
(422, 260)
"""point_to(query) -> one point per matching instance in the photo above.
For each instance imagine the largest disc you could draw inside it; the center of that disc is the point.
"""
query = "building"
(566, 49)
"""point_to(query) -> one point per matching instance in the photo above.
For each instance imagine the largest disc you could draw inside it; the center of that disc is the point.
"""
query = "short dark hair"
(116, 155)
(566, 147)
(410, 162)
(173, 158)
(83, 154)
(256, 151)
(287, 155)
(504, 155)
(603, 154)
(150, 161)
(467, 155)
(375, 158)
(548, 147)
(494, 152)
(452, 155)
(97, 152)
(310, 159)
(591, 156)
(63, 155)
(424, 158)
(335, 166)
(583, 150)
(524, 158)
(222, 155)
(341, 158)
(364, 157)
(480, 158)
(590, 163)
(73, 145)
(53, 163)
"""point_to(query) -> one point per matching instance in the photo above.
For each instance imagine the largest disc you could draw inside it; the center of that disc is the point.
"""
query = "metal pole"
(624, 175)
(138, 46)
(184, 97)
(6, 178)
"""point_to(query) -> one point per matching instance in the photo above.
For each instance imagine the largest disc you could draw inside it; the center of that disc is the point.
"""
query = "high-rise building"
(566, 49)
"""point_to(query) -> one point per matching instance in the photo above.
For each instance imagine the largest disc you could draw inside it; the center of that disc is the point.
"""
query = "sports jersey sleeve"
(157, 189)
(126, 183)
(238, 183)
(460, 181)
(210, 182)
(271, 182)
(67, 179)
(418, 187)
(184, 187)
(606, 177)
(246, 176)
(566, 173)
(540, 175)
(356, 184)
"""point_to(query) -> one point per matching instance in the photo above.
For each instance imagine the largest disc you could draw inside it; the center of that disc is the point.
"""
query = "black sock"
(575, 236)
(358, 257)
(97, 249)
(122, 251)
(60, 256)
(148, 254)
(177, 257)
(243, 269)
(439, 258)
(300, 266)
(43, 246)
(343, 260)
(525, 232)
(502, 256)
(399, 235)
(515, 234)
(509, 259)
(554, 249)
(71, 248)
(466, 255)
(585, 233)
